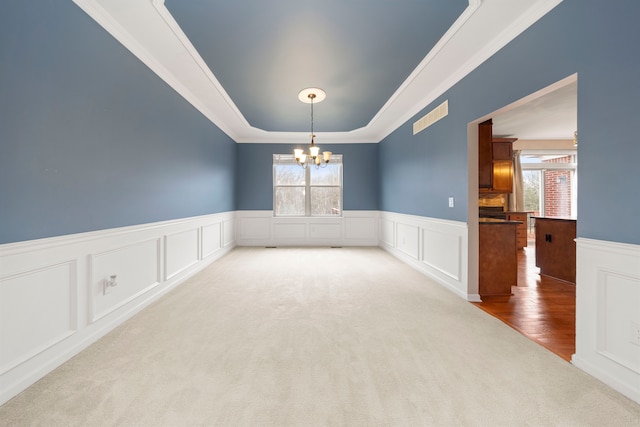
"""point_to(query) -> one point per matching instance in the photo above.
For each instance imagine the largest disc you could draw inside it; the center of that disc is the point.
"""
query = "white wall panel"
(137, 269)
(608, 313)
(407, 239)
(211, 239)
(52, 303)
(438, 248)
(181, 251)
(37, 310)
(442, 251)
(325, 231)
(619, 318)
(359, 228)
(254, 228)
(289, 231)
(261, 228)
(229, 232)
(387, 232)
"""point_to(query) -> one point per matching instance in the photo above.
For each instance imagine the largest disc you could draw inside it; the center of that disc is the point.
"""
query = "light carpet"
(316, 337)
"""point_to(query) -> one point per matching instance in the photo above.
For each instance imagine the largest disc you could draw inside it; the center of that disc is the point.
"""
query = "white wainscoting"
(608, 313)
(261, 228)
(137, 270)
(53, 300)
(436, 247)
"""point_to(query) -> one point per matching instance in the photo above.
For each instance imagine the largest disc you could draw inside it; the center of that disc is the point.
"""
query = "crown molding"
(149, 31)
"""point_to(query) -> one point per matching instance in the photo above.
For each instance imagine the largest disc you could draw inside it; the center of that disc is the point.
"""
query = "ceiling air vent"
(436, 114)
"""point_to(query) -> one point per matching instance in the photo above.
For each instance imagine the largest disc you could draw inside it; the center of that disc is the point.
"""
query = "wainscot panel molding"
(608, 313)
(25, 334)
(138, 270)
(261, 228)
(181, 251)
(435, 247)
(68, 281)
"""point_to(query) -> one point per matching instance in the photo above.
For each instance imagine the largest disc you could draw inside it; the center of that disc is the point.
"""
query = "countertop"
(555, 218)
(496, 221)
(494, 213)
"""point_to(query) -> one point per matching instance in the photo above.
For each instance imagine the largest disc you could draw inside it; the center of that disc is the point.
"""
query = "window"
(550, 182)
(306, 192)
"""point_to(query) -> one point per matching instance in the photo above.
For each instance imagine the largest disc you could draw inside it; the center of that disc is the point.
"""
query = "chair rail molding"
(84, 285)
(608, 313)
(436, 247)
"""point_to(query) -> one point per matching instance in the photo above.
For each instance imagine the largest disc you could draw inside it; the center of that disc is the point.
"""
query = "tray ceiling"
(242, 63)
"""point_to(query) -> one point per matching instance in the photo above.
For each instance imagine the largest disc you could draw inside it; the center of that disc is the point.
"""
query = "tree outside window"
(306, 192)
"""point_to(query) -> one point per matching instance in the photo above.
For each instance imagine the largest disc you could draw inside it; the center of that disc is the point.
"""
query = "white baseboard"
(63, 280)
(608, 313)
(438, 248)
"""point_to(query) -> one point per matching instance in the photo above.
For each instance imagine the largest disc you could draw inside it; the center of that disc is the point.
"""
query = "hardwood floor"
(541, 308)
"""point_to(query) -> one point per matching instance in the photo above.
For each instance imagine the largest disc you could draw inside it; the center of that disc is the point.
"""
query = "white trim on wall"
(63, 279)
(436, 247)
(608, 313)
(261, 228)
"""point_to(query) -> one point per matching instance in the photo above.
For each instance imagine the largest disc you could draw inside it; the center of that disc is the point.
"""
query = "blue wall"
(91, 138)
(599, 41)
(254, 181)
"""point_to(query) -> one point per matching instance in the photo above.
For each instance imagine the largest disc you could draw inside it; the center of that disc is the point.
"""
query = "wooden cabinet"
(495, 161)
(502, 176)
(485, 155)
(502, 148)
(521, 229)
(497, 257)
(556, 248)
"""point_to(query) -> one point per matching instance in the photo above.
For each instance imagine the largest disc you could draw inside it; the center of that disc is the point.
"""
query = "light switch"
(451, 204)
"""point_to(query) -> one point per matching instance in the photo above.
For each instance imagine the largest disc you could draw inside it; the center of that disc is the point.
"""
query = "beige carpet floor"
(316, 337)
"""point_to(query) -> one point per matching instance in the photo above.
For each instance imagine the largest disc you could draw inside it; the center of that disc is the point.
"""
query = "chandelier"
(308, 96)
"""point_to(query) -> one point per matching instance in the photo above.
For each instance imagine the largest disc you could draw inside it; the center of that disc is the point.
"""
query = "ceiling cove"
(151, 32)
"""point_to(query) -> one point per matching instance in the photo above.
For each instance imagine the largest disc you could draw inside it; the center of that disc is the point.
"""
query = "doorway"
(545, 125)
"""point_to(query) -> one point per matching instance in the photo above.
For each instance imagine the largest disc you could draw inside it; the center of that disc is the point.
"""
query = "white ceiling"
(151, 32)
(550, 114)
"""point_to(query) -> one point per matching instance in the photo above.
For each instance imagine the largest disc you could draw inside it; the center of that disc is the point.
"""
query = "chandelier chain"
(311, 97)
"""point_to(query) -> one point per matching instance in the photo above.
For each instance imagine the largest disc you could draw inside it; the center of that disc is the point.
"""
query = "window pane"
(289, 175)
(289, 201)
(531, 190)
(325, 201)
(326, 176)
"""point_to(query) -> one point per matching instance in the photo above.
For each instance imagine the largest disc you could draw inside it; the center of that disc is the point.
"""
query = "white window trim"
(290, 159)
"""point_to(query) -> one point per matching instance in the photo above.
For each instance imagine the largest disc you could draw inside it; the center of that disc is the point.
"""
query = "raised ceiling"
(359, 51)
(242, 63)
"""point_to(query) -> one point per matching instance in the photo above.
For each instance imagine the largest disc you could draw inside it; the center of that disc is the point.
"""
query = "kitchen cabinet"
(556, 247)
(485, 155)
(521, 228)
(497, 257)
(502, 148)
(495, 160)
(502, 171)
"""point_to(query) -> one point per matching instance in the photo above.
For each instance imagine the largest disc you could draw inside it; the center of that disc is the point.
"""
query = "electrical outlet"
(109, 283)
(635, 333)
(451, 203)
